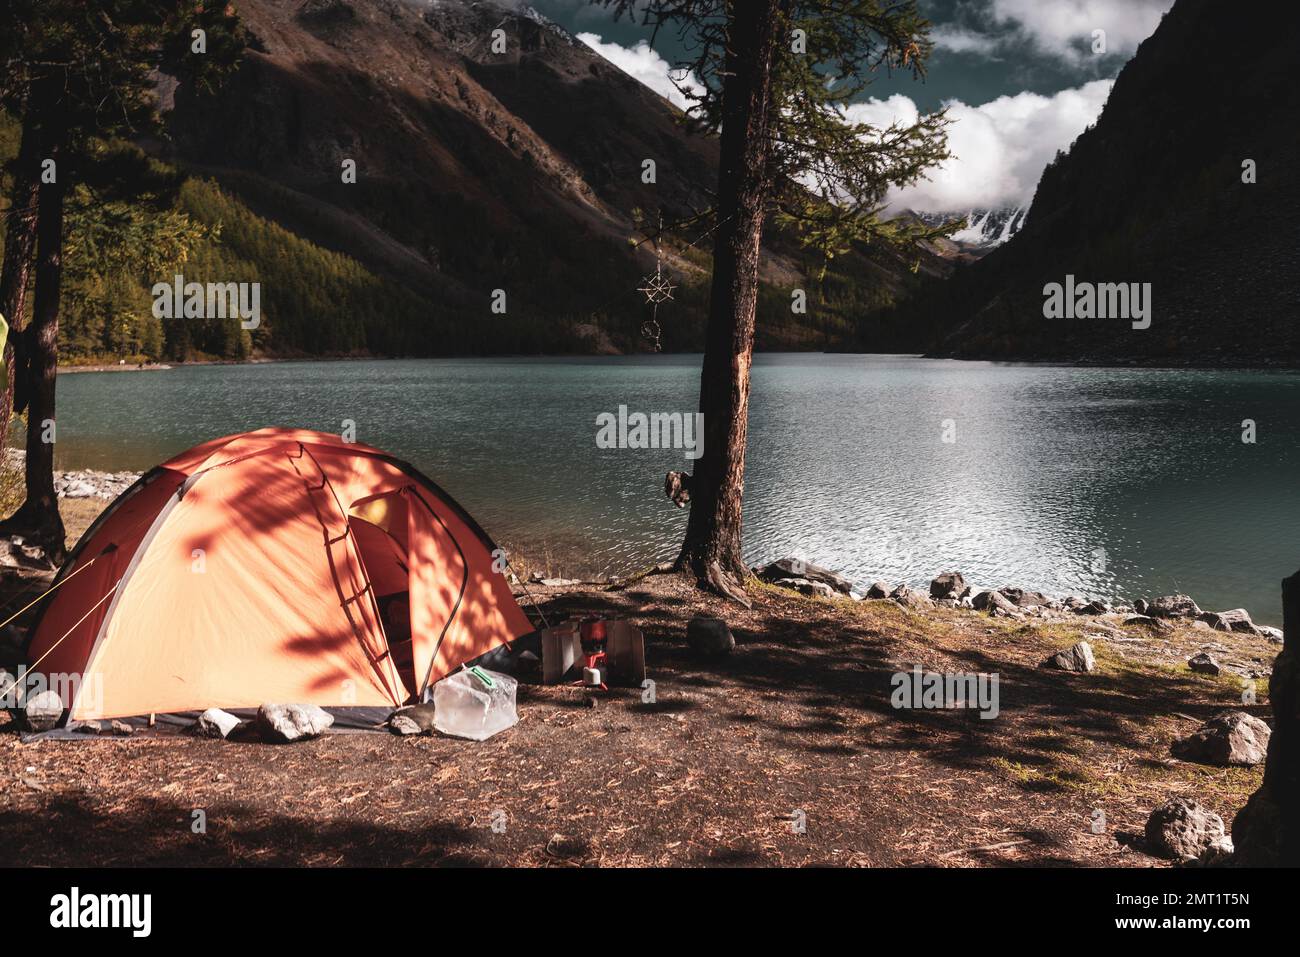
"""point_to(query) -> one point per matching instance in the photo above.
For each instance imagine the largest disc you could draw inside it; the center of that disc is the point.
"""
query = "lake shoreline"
(1263, 365)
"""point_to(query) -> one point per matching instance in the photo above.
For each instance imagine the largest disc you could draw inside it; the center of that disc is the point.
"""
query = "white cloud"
(644, 64)
(948, 37)
(1000, 147)
(1059, 28)
(1056, 25)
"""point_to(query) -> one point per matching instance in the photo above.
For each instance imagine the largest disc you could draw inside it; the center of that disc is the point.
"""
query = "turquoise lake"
(1110, 483)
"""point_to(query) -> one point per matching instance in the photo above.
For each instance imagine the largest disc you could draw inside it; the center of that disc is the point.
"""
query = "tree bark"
(712, 547)
(20, 245)
(38, 519)
(1266, 832)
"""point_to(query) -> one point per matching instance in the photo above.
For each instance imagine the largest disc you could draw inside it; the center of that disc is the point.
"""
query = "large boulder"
(1078, 657)
(910, 598)
(806, 586)
(1173, 606)
(215, 723)
(1023, 597)
(709, 637)
(796, 568)
(1183, 830)
(996, 604)
(949, 585)
(1236, 619)
(1228, 738)
(283, 723)
(42, 711)
(879, 590)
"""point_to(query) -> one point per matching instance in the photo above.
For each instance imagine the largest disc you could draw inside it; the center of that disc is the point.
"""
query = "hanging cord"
(47, 591)
(536, 607)
(696, 241)
(32, 667)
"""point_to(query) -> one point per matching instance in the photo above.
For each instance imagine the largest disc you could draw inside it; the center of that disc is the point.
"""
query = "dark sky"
(1019, 78)
(986, 48)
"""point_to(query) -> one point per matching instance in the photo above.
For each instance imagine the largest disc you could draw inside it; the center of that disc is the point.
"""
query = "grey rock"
(283, 723)
(1272, 634)
(1158, 624)
(1204, 664)
(949, 585)
(98, 726)
(42, 711)
(1236, 619)
(1182, 830)
(910, 597)
(797, 568)
(1228, 738)
(1218, 854)
(215, 723)
(1078, 657)
(996, 605)
(1173, 606)
(399, 723)
(413, 719)
(879, 590)
(1140, 606)
(1020, 596)
(709, 636)
(806, 586)
(1097, 607)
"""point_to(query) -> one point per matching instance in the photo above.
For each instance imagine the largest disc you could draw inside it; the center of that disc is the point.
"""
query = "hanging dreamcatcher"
(657, 288)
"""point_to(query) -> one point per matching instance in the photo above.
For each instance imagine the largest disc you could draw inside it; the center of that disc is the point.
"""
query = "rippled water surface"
(1101, 482)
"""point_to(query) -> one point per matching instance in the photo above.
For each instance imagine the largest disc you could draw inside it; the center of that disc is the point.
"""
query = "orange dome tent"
(272, 566)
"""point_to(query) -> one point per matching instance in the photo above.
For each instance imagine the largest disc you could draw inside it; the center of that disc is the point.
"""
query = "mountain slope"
(1153, 193)
(479, 171)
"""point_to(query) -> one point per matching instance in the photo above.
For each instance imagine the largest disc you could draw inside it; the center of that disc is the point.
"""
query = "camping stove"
(595, 658)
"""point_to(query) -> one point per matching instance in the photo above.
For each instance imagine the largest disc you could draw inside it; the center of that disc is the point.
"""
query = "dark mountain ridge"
(1153, 193)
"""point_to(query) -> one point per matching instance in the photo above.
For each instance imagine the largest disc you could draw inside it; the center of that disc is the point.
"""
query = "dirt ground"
(733, 755)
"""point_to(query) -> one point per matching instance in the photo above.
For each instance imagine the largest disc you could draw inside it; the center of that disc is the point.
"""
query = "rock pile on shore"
(81, 483)
(952, 590)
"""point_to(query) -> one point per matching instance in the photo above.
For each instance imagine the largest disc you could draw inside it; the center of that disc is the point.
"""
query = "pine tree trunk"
(1266, 831)
(711, 550)
(20, 245)
(38, 519)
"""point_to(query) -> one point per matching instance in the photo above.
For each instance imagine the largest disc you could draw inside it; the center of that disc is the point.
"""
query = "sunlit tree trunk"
(712, 547)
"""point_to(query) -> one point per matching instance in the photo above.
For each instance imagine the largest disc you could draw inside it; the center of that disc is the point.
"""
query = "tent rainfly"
(278, 565)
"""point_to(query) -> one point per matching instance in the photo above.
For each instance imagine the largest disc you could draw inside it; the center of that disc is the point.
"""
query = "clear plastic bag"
(475, 704)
